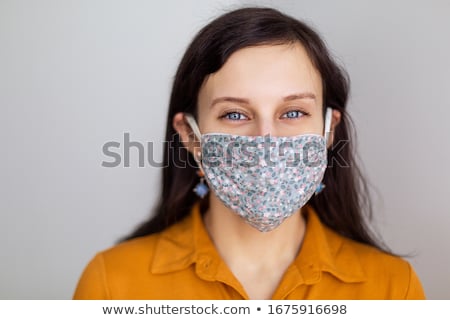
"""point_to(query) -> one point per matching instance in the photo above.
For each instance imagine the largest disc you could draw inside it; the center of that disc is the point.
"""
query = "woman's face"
(262, 90)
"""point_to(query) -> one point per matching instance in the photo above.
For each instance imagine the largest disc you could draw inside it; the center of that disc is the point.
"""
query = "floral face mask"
(263, 179)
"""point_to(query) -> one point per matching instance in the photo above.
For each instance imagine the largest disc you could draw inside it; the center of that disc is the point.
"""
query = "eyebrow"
(229, 99)
(303, 95)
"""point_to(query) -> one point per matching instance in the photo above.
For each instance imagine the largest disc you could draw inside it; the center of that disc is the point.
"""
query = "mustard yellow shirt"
(181, 262)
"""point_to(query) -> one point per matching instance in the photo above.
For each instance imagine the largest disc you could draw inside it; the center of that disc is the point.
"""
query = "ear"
(187, 137)
(335, 120)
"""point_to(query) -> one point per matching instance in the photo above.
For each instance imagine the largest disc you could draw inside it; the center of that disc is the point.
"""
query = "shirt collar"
(183, 244)
(323, 250)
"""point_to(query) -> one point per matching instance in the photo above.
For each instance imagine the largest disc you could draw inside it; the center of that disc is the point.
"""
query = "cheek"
(315, 123)
(319, 124)
(312, 126)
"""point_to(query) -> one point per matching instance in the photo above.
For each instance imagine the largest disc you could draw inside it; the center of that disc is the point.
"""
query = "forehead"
(269, 70)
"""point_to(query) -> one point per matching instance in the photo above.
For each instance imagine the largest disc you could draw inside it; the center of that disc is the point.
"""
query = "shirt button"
(205, 262)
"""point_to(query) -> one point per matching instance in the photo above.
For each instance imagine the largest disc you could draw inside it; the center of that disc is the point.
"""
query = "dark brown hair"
(344, 205)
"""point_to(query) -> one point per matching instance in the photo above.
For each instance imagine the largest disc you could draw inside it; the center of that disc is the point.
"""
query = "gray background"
(77, 74)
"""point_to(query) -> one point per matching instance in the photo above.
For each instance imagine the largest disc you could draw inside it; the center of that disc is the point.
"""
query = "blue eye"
(293, 114)
(235, 116)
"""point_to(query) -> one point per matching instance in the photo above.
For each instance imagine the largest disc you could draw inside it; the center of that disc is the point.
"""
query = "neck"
(240, 244)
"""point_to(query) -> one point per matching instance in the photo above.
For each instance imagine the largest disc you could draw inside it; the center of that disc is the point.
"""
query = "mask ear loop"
(193, 124)
(327, 128)
(201, 189)
(326, 133)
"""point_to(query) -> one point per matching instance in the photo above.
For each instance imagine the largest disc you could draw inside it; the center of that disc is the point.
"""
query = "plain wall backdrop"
(77, 74)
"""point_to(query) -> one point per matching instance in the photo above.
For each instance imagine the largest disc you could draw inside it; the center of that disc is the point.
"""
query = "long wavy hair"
(344, 205)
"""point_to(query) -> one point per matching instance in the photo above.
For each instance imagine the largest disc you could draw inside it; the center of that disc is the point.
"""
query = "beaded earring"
(319, 188)
(201, 189)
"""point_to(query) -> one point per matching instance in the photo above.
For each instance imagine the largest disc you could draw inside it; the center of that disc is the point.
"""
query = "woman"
(257, 111)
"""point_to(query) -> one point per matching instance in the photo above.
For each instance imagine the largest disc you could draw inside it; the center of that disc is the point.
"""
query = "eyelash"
(227, 114)
(297, 111)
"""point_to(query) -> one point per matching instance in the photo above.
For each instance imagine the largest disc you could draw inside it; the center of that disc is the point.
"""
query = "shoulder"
(134, 252)
(108, 270)
(352, 269)
(375, 261)
(142, 267)
(386, 275)
(137, 267)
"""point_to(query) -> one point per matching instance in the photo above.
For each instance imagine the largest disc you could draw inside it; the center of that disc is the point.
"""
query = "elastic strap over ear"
(193, 124)
(327, 128)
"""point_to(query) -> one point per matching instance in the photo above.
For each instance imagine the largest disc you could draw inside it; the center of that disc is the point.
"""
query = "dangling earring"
(319, 188)
(201, 189)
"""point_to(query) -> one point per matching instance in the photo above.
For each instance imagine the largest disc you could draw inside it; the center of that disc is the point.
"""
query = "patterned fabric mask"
(263, 179)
